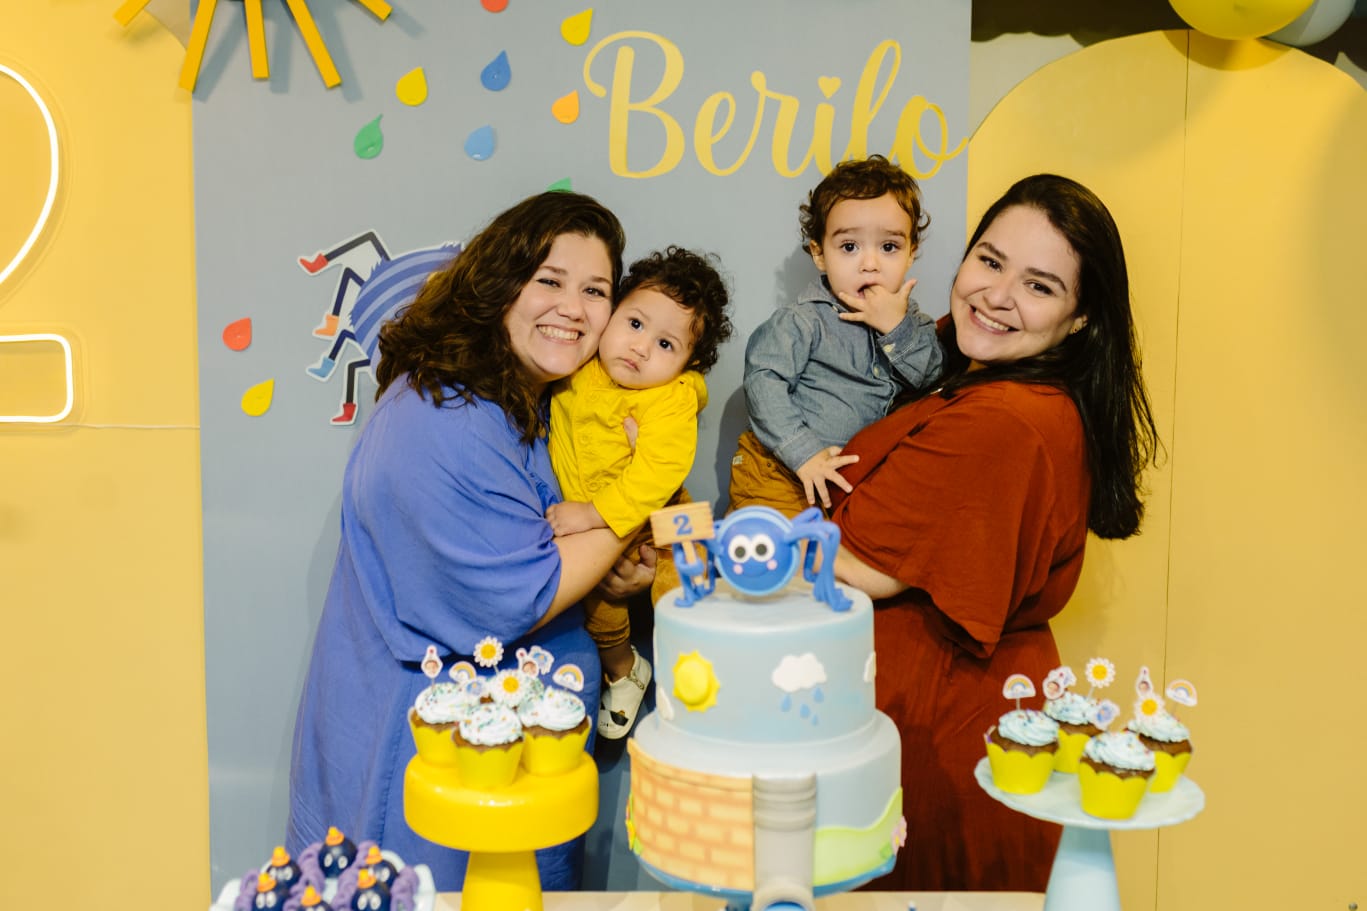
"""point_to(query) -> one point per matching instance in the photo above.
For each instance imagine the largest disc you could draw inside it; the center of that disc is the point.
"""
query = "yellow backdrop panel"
(1236, 174)
(100, 563)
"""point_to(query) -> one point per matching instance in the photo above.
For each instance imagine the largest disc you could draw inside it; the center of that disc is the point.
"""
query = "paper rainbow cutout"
(570, 677)
(1182, 692)
(462, 672)
(1018, 686)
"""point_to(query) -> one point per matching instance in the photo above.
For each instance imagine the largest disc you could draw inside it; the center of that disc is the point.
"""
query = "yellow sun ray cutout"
(256, 36)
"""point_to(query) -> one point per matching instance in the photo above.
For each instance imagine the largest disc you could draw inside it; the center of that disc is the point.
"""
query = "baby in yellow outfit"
(663, 336)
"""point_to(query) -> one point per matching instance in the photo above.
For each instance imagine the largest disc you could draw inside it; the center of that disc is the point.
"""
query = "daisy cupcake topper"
(1058, 681)
(488, 652)
(1100, 674)
(1018, 687)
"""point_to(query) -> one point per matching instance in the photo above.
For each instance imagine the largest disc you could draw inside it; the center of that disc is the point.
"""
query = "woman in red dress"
(970, 508)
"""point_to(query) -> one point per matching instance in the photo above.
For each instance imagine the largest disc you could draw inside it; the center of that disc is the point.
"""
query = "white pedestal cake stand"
(1083, 876)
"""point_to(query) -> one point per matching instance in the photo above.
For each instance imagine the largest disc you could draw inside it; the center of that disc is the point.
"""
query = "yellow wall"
(1236, 173)
(106, 797)
(1238, 183)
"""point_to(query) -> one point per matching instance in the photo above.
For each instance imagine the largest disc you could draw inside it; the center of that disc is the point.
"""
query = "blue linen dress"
(443, 541)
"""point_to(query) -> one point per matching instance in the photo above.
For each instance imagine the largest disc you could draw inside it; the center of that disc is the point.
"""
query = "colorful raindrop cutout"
(256, 401)
(562, 185)
(496, 76)
(412, 87)
(566, 108)
(787, 704)
(817, 695)
(479, 145)
(238, 335)
(494, 6)
(369, 140)
(575, 29)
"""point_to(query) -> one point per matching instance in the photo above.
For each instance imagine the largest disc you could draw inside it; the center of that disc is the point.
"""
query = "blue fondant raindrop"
(479, 145)
(497, 74)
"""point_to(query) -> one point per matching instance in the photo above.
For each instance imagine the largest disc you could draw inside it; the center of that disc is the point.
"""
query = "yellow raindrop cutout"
(369, 140)
(575, 29)
(566, 108)
(412, 87)
(256, 401)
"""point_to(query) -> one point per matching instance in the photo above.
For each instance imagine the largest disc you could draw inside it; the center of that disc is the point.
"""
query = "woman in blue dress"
(444, 539)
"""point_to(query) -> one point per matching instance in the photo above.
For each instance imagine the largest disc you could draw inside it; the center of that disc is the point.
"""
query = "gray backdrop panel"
(276, 178)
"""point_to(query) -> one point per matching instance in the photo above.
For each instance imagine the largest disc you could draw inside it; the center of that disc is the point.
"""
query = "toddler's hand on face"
(823, 468)
(572, 517)
(879, 309)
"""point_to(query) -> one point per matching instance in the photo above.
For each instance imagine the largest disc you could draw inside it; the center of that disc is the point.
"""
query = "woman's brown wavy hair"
(452, 340)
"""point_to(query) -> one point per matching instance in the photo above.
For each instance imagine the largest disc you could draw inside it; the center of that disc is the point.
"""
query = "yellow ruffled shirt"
(589, 448)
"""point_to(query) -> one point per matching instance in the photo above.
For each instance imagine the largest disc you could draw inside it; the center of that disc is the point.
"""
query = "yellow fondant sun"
(694, 683)
(256, 36)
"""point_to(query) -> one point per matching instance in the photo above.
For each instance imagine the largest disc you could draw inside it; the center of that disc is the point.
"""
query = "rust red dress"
(979, 504)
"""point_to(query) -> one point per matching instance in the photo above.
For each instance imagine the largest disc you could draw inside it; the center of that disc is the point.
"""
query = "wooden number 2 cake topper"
(256, 36)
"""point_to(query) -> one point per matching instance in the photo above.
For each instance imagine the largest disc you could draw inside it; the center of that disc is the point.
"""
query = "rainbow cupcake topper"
(1018, 687)
(570, 677)
(1057, 682)
(1100, 674)
(1182, 692)
(462, 672)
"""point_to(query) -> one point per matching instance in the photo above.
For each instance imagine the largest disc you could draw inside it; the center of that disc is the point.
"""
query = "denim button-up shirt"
(813, 380)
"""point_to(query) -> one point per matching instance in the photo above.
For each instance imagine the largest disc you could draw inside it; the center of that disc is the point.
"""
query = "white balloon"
(1322, 19)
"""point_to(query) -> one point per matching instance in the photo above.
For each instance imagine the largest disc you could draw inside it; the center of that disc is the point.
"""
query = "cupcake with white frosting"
(1020, 749)
(488, 742)
(1161, 732)
(1113, 774)
(1073, 713)
(434, 717)
(555, 728)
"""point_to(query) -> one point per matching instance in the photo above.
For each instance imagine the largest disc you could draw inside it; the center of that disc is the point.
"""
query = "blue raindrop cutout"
(805, 710)
(817, 695)
(496, 75)
(479, 145)
(786, 704)
(814, 719)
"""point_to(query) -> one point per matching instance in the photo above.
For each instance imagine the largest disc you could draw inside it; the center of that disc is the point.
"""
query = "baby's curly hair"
(867, 178)
(692, 281)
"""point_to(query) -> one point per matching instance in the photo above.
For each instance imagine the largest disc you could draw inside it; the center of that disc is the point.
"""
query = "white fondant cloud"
(798, 672)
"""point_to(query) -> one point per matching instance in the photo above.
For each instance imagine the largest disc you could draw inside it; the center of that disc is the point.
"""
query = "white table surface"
(848, 901)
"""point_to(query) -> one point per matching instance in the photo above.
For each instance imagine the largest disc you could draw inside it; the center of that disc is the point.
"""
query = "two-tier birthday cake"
(765, 774)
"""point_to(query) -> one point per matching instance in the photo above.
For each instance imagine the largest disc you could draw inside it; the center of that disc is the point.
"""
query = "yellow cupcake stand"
(501, 827)
(1083, 875)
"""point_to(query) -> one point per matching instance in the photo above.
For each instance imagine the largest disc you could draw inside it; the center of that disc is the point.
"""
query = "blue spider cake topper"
(756, 549)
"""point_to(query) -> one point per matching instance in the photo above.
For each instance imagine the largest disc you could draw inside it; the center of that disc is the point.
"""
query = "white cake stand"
(1083, 876)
